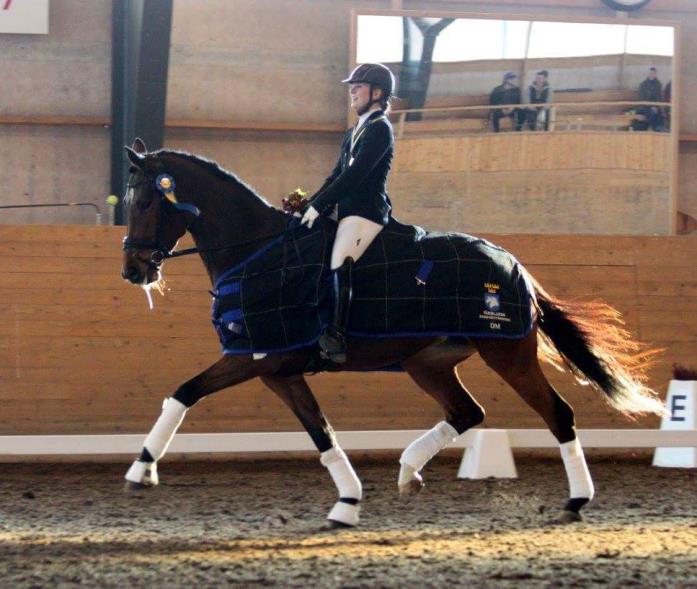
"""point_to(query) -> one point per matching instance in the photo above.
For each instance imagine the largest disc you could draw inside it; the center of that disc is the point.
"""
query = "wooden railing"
(476, 123)
(400, 115)
(86, 121)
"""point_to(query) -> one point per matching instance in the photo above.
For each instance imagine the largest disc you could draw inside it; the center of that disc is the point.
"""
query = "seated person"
(650, 90)
(507, 93)
(540, 92)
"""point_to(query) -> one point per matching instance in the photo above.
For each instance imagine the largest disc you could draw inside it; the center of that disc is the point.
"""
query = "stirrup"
(335, 357)
(332, 342)
(333, 346)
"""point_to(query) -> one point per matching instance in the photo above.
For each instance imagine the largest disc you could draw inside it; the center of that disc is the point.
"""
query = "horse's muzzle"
(132, 274)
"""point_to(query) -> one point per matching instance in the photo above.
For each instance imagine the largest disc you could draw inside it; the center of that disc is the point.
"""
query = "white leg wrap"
(421, 450)
(165, 427)
(408, 474)
(345, 513)
(580, 482)
(345, 478)
(347, 483)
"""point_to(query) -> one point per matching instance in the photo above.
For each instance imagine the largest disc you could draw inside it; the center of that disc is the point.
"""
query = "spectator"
(651, 90)
(506, 94)
(540, 92)
(668, 97)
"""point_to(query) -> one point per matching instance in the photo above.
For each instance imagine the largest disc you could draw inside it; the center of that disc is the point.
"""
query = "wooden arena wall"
(81, 353)
(578, 182)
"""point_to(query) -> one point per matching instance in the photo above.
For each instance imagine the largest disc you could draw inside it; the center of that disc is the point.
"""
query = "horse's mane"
(214, 168)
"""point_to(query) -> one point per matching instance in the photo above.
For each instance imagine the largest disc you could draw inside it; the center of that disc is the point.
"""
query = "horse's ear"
(139, 145)
(135, 158)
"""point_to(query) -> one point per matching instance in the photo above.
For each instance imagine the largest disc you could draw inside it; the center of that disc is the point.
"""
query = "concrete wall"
(265, 61)
(65, 73)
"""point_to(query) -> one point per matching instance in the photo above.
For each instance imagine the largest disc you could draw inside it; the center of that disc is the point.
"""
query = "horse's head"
(156, 220)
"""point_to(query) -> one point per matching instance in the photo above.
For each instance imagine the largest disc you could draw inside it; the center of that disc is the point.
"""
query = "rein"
(164, 184)
(166, 255)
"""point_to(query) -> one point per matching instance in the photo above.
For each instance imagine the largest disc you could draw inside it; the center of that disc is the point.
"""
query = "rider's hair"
(385, 101)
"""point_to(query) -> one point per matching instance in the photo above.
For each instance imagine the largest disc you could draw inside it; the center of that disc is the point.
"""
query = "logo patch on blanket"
(408, 283)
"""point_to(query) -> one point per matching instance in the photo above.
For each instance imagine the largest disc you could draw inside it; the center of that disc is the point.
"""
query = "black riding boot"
(333, 341)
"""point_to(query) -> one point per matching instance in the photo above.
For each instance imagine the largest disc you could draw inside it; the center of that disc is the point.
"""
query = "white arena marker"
(682, 406)
(489, 456)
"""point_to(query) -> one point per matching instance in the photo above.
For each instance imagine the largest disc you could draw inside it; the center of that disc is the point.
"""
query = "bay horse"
(229, 222)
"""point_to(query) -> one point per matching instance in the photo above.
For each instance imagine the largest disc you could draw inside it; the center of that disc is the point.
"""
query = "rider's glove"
(309, 217)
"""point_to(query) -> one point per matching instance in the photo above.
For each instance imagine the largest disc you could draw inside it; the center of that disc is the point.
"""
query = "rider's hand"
(309, 217)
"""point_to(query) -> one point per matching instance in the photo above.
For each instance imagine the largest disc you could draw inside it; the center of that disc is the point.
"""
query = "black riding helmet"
(376, 75)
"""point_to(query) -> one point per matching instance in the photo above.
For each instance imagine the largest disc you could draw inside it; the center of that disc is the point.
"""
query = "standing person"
(355, 192)
(651, 90)
(540, 92)
(507, 93)
(668, 97)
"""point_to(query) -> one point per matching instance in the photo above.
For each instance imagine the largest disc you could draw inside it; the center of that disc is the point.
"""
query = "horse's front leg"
(227, 371)
(295, 392)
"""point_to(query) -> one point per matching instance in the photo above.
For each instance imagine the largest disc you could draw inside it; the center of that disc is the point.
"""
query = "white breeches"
(353, 236)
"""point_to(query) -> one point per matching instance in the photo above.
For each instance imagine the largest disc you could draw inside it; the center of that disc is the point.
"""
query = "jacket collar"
(368, 116)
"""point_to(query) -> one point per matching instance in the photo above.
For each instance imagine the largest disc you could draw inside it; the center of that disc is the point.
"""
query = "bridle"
(165, 185)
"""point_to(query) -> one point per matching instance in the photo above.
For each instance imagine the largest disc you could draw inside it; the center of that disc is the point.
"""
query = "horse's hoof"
(411, 489)
(333, 524)
(567, 517)
(131, 487)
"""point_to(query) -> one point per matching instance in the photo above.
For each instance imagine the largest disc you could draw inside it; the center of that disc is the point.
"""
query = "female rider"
(354, 193)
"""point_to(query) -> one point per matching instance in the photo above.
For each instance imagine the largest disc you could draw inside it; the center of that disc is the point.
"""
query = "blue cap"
(509, 76)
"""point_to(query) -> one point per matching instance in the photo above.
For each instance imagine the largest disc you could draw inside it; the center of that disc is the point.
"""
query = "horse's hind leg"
(295, 392)
(517, 363)
(433, 369)
(227, 371)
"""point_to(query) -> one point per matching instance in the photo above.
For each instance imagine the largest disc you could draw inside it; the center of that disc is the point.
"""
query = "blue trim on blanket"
(235, 352)
(437, 333)
(424, 272)
(227, 289)
(255, 255)
(231, 315)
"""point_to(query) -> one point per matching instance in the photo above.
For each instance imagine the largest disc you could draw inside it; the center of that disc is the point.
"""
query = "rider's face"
(360, 96)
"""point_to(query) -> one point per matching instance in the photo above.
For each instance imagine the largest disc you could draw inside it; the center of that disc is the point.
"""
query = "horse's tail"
(591, 340)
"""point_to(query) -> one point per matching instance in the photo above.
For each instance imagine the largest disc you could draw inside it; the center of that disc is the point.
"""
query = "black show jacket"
(357, 183)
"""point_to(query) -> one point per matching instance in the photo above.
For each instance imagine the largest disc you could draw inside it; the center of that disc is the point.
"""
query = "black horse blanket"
(408, 283)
